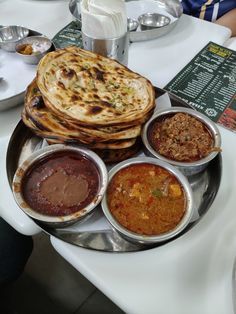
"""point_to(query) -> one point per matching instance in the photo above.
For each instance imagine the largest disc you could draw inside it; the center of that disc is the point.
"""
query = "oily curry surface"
(146, 199)
(181, 137)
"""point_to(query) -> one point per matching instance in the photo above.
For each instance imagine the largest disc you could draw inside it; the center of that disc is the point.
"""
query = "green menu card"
(208, 83)
(68, 36)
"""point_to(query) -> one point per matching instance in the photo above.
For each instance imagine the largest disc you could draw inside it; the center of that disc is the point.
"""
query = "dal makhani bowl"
(60, 184)
(147, 200)
(182, 137)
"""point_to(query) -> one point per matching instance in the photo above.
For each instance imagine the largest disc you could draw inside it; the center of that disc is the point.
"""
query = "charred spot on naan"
(106, 104)
(61, 85)
(94, 110)
(99, 75)
(75, 97)
(38, 102)
(68, 74)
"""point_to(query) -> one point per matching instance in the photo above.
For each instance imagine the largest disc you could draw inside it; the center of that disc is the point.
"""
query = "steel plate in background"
(99, 235)
(14, 99)
(171, 8)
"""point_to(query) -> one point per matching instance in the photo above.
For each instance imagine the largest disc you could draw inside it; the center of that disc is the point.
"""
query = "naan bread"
(81, 98)
(48, 121)
(88, 89)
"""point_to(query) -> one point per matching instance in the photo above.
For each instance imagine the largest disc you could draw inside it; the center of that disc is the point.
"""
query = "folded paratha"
(91, 90)
(79, 97)
(48, 121)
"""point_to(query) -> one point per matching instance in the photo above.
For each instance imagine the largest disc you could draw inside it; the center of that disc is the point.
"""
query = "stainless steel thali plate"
(171, 8)
(96, 233)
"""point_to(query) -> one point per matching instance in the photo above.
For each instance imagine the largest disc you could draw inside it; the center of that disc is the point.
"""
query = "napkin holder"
(114, 48)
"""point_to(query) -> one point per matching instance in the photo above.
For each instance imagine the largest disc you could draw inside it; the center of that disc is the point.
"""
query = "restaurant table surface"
(192, 274)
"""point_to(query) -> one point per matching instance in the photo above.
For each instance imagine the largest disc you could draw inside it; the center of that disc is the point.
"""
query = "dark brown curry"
(61, 184)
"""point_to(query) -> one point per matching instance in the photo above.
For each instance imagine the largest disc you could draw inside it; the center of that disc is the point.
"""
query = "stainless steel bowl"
(132, 24)
(10, 36)
(59, 221)
(187, 168)
(144, 239)
(152, 20)
(40, 45)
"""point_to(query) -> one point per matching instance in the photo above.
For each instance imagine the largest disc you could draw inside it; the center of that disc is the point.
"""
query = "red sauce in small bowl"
(61, 184)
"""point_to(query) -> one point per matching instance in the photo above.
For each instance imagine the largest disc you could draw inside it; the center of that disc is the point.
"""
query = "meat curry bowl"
(60, 184)
(182, 137)
(147, 200)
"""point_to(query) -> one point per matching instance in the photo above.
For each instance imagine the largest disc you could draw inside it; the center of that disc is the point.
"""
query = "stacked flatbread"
(81, 97)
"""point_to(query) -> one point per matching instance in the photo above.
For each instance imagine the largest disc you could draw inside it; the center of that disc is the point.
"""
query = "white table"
(190, 275)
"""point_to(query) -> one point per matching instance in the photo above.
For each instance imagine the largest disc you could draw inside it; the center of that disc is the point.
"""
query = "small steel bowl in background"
(187, 168)
(154, 239)
(49, 151)
(10, 36)
(149, 21)
(132, 24)
(40, 45)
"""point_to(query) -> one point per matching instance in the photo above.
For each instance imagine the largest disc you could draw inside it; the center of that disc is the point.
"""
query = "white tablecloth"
(189, 275)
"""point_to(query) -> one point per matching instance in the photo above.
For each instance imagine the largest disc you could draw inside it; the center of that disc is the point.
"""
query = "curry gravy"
(146, 199)
(61, 184)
